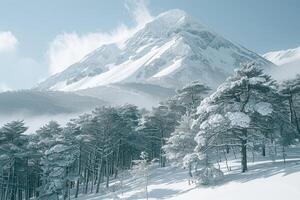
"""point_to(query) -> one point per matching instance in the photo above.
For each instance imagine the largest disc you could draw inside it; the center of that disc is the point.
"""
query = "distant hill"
(45, 102)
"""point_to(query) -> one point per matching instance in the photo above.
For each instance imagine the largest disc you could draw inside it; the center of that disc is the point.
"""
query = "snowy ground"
(265, 179)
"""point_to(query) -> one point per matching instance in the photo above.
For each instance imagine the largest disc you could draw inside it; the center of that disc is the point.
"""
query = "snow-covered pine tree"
(284, 127)
(129, 141)
(113, 143)
(226, 118)
(208, 140)
(275, 128)
(188, 98)
(76, 138)
(156, 127)
(191, 95)
(180, 145)
(107, 127)
(291, 90)
(58, 158)
(13, 161)
(181, 142)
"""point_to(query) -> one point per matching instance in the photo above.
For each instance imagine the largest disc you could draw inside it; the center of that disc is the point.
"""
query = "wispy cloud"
(68, 48)
(139, 11)
(8, 41)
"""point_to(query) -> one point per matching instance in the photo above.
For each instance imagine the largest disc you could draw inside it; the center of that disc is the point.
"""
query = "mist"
(34, 122)
(286, 71)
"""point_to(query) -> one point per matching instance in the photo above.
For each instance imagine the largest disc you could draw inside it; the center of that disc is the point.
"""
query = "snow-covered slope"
(265, 180)
(141, 95)
(170, 51)
(288, 62)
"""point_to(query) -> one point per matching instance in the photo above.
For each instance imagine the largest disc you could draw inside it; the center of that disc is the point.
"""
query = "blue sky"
(40, 38)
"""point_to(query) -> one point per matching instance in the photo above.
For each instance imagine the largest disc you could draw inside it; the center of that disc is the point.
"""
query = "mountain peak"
(167, 24)
(170, 51)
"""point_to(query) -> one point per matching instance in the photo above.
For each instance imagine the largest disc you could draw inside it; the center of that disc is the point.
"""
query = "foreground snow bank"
(265, 180)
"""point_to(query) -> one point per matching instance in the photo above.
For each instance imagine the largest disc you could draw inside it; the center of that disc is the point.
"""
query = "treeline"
(60, 162)
(83, 154)
(194, 129)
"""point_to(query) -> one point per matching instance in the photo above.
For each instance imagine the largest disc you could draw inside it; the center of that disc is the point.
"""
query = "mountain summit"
(170, 51)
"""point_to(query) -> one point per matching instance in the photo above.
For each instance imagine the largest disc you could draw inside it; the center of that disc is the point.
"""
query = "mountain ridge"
(288, 61)
(170, 51)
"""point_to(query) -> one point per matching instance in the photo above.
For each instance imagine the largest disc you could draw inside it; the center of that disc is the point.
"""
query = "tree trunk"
(263, 150)
(20, 197)
(66, 186)
(190, 170)
(93, 171)
(87, 178)
(227, 149)
(117, 159)
(7, 185)
(13, 183)
(283, 154)
(244, 151)
(27, 195)
(226, 160)
(234, 153)
(100, 169)
(79, 174)
(291, 107)
(66, 190)
(107, 173)
(162, 156)
(244, 155)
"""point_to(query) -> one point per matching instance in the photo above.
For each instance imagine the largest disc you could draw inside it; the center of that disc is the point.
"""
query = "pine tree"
(13, 152)
(58, 158)
(156, 127)
(187, 99)
(291, 90)
(232, 115)
(181, 142)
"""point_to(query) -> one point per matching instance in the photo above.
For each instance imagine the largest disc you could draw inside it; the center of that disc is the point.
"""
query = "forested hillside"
(198, 129)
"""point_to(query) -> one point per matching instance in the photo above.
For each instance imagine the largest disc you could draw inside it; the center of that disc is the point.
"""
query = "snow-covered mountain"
(170, 51)
(288, 62)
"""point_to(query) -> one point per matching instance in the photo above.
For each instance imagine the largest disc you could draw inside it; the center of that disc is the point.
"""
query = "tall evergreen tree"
(239, 106)
(291, 90)
(13, 153)
(156, 127)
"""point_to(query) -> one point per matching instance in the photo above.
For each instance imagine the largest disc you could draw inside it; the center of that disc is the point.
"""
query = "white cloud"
(68, 48)
(139, 11)
(8, 41)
